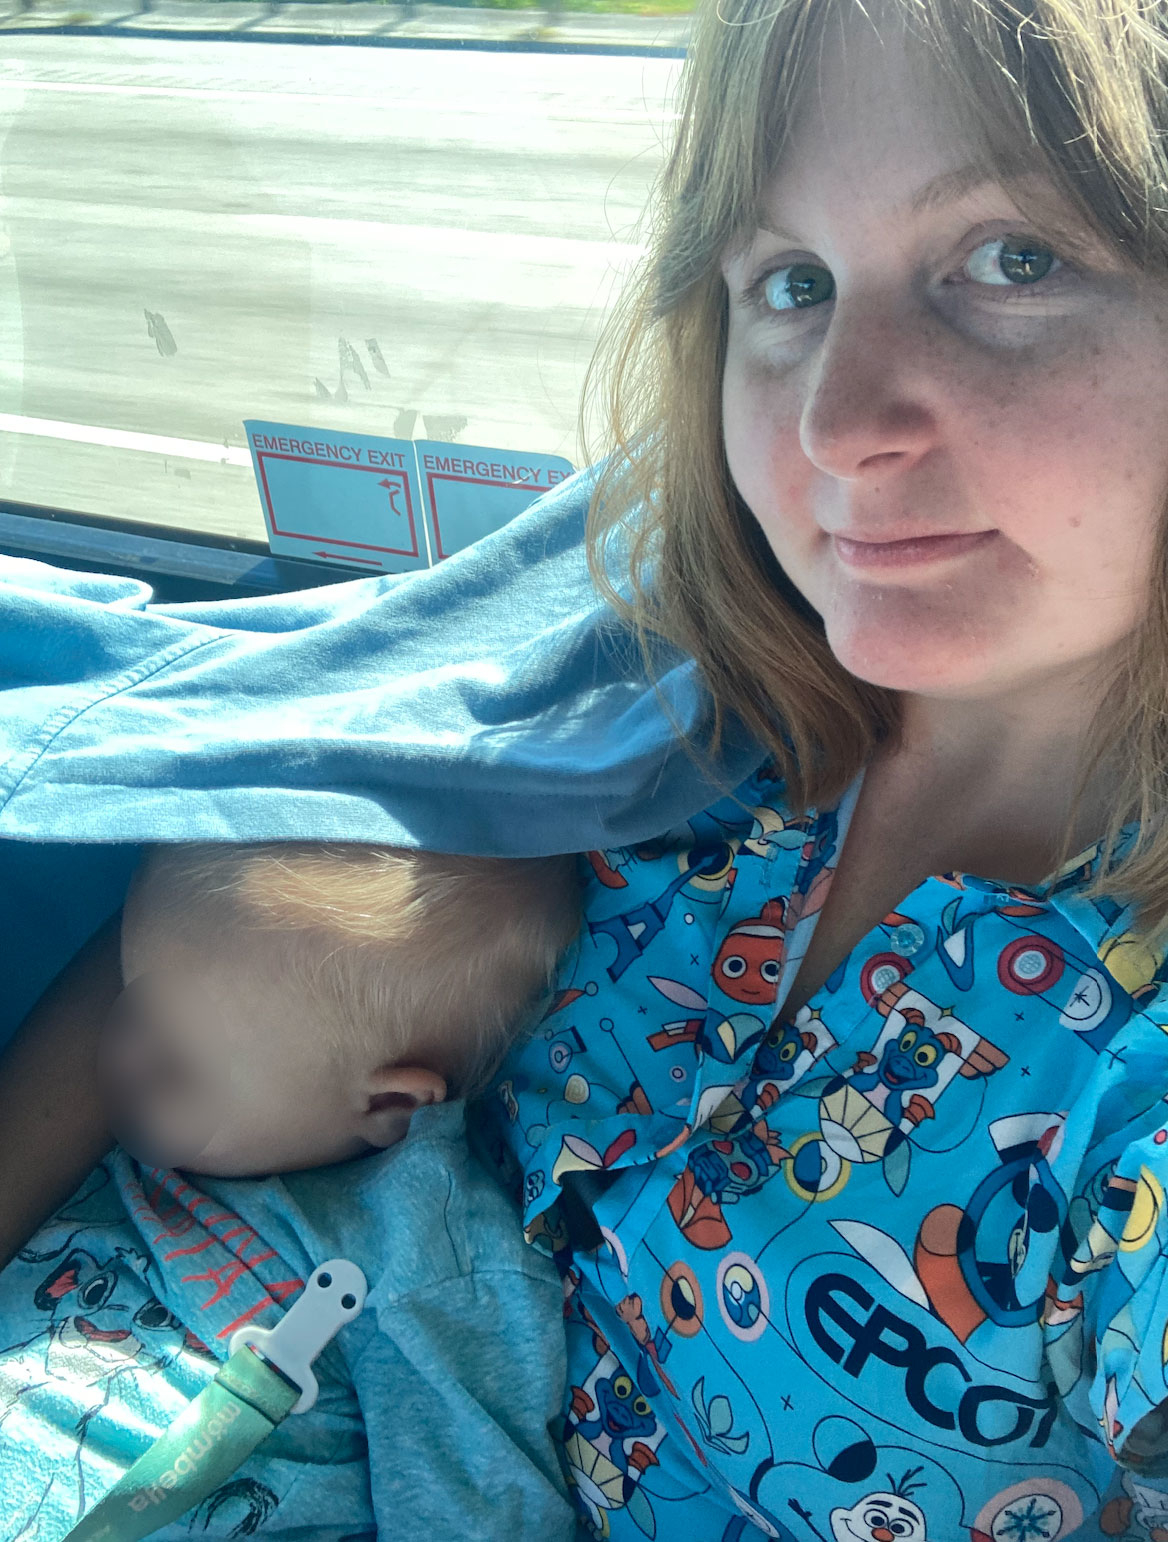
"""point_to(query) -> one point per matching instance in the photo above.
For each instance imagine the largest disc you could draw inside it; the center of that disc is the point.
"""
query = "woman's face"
(951, 421)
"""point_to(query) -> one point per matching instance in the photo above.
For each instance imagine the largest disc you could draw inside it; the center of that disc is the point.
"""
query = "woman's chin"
(930, 666)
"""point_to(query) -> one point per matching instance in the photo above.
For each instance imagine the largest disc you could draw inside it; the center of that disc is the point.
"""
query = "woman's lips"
(911, 553)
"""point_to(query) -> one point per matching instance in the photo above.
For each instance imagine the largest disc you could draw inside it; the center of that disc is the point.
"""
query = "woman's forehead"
(870, 121)
(868, 87)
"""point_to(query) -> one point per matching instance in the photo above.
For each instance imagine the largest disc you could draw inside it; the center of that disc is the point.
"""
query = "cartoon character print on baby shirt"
(94, 1358)
(912, 1209)
(85, 1331)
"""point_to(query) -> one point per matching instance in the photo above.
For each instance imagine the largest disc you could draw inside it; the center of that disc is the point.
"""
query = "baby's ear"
(390, 1097)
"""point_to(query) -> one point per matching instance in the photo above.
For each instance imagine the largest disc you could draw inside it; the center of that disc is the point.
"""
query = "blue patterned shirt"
(893, 1267)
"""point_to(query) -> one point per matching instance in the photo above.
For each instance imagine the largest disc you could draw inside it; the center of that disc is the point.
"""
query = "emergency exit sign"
(387, 505)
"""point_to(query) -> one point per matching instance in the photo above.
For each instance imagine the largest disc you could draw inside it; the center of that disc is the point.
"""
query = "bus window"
(413, 242)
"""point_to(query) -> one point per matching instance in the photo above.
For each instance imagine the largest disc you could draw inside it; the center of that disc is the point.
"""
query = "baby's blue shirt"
(434, 1404)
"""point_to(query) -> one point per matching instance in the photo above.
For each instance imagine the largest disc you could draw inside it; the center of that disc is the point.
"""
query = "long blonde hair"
(1082, 87)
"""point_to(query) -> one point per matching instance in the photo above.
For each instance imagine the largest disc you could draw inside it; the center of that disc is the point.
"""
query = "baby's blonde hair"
(410, 956)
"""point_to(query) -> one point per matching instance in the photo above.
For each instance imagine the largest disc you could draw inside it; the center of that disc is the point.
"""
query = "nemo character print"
(609, 1439)
(749, 963)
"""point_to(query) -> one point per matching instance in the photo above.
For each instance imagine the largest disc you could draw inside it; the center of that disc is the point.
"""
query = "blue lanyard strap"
(266, 1378)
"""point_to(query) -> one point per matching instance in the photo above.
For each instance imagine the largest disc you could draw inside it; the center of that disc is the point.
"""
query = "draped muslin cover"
(490, 705)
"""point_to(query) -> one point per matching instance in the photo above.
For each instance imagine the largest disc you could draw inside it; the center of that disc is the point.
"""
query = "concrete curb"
(393, 25)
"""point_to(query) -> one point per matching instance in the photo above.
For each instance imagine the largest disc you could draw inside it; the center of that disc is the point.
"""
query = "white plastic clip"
(334, 1295)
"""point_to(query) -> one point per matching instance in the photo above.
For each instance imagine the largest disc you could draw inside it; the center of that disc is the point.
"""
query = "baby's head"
(289, 1006)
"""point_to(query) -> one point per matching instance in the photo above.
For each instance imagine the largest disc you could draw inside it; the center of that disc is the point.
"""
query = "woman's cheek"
(769, 469)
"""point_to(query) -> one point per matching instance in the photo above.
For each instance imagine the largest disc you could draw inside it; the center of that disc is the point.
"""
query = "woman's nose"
(871, 395)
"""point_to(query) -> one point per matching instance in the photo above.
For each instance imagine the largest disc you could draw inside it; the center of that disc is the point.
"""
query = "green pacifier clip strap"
(266, 1378)
(212, 1436)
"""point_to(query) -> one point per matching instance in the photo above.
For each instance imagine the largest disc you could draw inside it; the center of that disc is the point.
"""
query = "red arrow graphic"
(393, 489)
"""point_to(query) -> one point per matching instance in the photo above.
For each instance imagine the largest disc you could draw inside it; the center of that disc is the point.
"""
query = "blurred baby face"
(211, 1067)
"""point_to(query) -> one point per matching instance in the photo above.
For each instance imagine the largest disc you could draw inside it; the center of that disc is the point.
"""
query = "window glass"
(394, 241)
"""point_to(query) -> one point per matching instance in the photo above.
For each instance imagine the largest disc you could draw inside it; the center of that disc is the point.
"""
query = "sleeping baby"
(318, 1012)
(287, 1007)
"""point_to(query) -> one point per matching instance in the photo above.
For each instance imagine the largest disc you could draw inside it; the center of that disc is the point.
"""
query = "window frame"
(179, 567)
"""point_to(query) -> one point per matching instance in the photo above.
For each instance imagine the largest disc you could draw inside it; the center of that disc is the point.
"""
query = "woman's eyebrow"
(946, 187)
(1023, 182)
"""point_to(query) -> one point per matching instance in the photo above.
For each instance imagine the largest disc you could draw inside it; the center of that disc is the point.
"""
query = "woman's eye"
(1004, 263)
(798, 286)
(1011, 262)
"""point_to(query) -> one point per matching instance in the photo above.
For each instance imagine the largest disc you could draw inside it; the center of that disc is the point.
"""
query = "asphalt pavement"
(419, 242)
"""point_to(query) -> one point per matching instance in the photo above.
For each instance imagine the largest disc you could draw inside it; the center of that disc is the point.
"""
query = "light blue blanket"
(489, 705)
